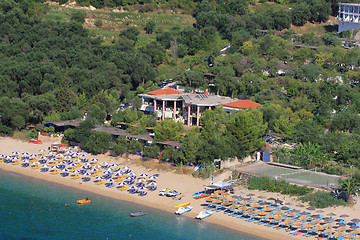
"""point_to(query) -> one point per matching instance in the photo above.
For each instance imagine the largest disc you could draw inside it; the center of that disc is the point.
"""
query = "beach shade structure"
(141, 180)
(25, 154)
(344, 216)
(331, 214)
(142, 188)
(67, 157)
(254, 205)
(231, 199)
(242, 208)
(317, 221)
(342, 229)
(76, 171)
(114, 165)
(45, 166)
(296, 224)
(42, 150)
(152, 177)
(243, 202)
(318, 228)
(329, 225)
(226, 203)
(300, 205)
(99, 178)
(133, 187)
(303, 218)
(261, 197)
(94, 160)
(308, 225)
(208, 200)
(87, 174)
(271, 199)
(217, 201)
(108, 172)
(125, 167)
(337, 234)
(285, 208)
(329, 230)
(310, 208)
(250, 211)
(65, 170)
(219, 191)
(15, 153)
(59, 155)
(110, 180)
(131, 173)
(267, 209)
(32, 156)
(223, 198)
(143, 175)
(104, 164)
(122, 184)
(262, 213)
(278, 212)
(215, 196)
(225, 194)
(26, 160)
(355, 220)
(288, 220)
(83, 155)
(250, 195)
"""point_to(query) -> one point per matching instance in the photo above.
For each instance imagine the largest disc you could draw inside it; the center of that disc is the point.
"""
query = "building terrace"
(187, 107)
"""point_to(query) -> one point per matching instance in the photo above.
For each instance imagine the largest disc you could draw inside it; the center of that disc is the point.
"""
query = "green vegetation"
(58, 63)
(266, 184)
(322, 200)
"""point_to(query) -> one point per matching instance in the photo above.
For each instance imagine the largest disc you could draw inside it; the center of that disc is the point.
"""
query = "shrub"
(266, 184)
(322, 200)
(98, 23)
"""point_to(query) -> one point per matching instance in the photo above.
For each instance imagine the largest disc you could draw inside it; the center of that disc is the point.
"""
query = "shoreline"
(186, 184)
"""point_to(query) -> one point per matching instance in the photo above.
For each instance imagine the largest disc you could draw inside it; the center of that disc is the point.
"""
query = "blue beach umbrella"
(122, 184)
(114, 165)
(118, 173)
(33, 155)
(108, 172)
(110, 180)
(83, 155)
(142, 188)
(94, 160)
(25, 154)
(152, 183)
(65, 170)
(133, 187)
(143, 175)
(15, 153)
(76, 171)
(98, 178)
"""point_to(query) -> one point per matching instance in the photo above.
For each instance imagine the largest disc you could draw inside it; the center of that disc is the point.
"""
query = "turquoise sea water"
(34, 209)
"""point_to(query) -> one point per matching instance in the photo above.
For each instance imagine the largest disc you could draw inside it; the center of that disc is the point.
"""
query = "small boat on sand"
(83, 201)
(183, 210)
(203, 215)
(182, 205)
(137, 214)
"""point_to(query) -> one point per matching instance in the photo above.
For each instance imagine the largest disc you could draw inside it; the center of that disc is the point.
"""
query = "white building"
(349, 16)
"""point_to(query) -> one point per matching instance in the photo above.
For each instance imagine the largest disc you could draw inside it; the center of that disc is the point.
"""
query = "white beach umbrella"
(50, 153)
(43, 158)
(76, 171)
(26, 160)
(142, 188)
(15, 158)
(110, 180)
(133, 187)
(7, 157)
(143, 175)
(132, 174)
(83, 155)
(36, 163)
(25, 154)
(73, 164)
(62, 162)
(129, 178)
(65, 170)
(122, 184)
(94, 160)
(15, 153)
(68, 157)
(118, 173)
(152, 183)
(152, 177)
(141, 180)
(104, 163)
(87, 174)
(126, 167)
(42, 150)
(114, 165)
(33, 155)
(87, 164)
(108, 172)
(98, 178)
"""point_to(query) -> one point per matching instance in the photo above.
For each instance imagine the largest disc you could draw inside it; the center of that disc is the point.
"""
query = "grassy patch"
(322, 200)
(266, 184)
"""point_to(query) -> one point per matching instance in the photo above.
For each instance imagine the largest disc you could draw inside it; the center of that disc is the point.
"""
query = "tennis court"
(300, 176)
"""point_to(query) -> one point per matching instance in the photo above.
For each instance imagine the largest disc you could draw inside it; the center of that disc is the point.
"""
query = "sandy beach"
(185, 184)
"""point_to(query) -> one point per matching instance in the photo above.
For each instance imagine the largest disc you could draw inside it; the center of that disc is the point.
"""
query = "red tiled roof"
(243, 104)
(166, 91)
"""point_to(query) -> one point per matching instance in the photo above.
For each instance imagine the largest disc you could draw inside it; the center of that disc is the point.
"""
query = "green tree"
(78, 16)
(121, 145)
(98, 142)
(349, 186)
(130, 33)
(300, 14)
(97, 112)
(149, 27)
(168, 130)
(245, 129)
(152, 151)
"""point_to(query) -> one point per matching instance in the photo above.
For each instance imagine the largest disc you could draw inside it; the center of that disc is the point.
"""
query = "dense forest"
(55, 70)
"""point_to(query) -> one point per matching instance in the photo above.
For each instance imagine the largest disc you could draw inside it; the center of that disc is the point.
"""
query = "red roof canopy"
(166, 91)
(243, 104)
